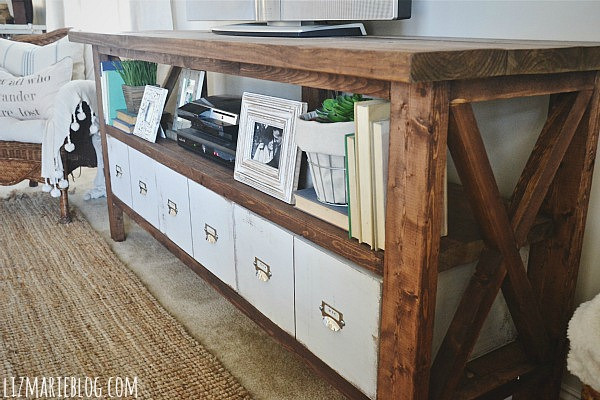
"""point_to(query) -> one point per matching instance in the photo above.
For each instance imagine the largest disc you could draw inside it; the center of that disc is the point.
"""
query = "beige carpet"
(69, 306)
(266, 369)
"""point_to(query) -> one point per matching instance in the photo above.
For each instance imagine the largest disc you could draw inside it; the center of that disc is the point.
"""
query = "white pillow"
(25, 58)
(32, 96)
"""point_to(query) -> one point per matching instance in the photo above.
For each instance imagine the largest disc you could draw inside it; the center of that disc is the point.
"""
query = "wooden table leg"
(115, 214)
(554, 263)
(417, 165)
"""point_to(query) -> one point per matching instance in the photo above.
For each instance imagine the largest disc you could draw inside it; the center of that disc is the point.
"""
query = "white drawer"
(212, 232)
(265, 270)
(174, 207)
(144, 194)
(118, 161)
(331, 289)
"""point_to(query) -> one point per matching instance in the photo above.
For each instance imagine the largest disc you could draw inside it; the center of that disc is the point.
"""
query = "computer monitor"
(296, 17)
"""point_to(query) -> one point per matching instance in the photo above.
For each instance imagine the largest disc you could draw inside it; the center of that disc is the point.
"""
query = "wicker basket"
(324, 146)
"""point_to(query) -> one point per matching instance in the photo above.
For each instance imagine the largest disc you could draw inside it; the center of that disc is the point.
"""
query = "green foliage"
(137, 72)
(340, 109)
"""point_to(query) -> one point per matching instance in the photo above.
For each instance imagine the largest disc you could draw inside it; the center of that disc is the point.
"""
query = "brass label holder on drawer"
(332, 318)
(263, 270)
(143, 188)
(118, 170)
(211, 234)
(172, 207)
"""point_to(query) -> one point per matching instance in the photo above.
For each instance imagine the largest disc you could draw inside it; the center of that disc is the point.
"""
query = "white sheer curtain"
(109, 16)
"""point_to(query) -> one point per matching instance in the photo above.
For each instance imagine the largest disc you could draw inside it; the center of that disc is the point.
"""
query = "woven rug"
(69, 308)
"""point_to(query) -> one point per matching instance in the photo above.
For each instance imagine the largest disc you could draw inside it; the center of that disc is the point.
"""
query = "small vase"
(133, 97)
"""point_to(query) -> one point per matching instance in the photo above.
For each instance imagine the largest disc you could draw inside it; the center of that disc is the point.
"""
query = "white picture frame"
(150, 113)
(191, 83)
(267, 157)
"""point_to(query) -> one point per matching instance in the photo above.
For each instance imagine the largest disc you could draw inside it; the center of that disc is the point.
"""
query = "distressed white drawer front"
(174, 207)
(212, 232)
(144, 194)
(118, 161)
(337, 314)
(265, 270)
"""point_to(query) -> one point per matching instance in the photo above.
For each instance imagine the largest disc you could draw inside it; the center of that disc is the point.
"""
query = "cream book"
(365, 113)
(381, 152)
(307, 201)
(354, 228)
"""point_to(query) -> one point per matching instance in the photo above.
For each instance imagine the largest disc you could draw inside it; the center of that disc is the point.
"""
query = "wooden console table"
(431, 84)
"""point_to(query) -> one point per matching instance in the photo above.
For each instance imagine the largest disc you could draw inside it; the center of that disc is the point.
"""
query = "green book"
(354, 226)
(112, 92)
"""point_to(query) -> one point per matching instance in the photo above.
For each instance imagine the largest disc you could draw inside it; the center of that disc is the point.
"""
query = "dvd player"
(215, 148)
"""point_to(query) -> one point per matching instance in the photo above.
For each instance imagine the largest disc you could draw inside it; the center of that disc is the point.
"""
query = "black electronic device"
(214, 129)
(214, 115)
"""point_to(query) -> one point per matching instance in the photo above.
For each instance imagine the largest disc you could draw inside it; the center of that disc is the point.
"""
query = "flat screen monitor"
(296, 17)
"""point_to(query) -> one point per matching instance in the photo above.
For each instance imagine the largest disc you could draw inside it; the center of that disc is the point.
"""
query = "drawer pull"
(172, 207)
(211, 234)
(263, 270)
(143, 188)
(119, 171)
(332, 318)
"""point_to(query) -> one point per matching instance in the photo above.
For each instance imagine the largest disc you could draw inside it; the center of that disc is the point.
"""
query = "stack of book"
(367, 154)
(124, 120)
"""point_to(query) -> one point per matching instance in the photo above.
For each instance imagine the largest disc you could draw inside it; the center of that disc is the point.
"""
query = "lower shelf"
(285, 339)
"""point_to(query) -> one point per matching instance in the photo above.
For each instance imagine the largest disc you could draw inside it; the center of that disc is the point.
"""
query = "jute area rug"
(69, 308)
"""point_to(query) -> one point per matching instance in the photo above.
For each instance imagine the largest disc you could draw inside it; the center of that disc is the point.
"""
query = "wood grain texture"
(286, 340)
(115, 214)
(497, 374)
(544, 161)
(507, 87)
(371, 87)
(415, 188)
(401, 59)
(498, 259)
(554, 263)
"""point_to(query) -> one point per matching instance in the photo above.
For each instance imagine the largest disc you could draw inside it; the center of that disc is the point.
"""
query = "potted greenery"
(136, 75)
(321, 134)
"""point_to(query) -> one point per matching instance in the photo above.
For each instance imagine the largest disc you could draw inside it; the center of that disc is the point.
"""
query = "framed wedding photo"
(267, 157)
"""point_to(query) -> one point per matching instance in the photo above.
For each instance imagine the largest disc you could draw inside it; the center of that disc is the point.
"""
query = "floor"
(266, 369)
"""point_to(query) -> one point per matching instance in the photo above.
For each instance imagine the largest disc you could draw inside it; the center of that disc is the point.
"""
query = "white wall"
(509, 127)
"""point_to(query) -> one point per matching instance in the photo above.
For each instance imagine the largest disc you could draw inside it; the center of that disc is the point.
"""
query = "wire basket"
(328, 174)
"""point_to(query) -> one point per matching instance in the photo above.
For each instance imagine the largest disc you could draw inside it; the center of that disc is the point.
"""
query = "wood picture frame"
(150, 113)
(191, 83)
(267, 157)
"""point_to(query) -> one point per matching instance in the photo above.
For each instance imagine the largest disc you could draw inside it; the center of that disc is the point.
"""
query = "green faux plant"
(338, 109)
(137, 72)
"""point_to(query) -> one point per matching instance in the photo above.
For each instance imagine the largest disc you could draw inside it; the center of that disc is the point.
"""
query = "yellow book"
(365, 113)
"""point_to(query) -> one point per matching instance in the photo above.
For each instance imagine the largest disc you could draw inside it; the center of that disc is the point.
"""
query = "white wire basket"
(324, 144)
(328, 174)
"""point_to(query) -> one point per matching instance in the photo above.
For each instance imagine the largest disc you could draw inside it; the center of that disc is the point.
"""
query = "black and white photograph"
(266, 146)
(267, 157)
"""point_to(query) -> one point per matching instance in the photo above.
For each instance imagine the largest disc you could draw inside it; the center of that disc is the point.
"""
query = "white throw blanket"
(67, 111)
(584, 334)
